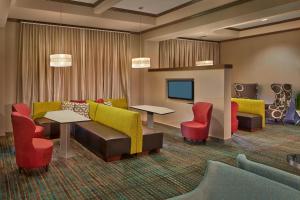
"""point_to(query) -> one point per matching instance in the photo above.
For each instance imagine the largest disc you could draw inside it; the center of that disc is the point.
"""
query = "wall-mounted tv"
(180, 89)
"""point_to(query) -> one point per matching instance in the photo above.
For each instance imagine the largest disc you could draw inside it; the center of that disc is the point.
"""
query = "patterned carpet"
(176, 170)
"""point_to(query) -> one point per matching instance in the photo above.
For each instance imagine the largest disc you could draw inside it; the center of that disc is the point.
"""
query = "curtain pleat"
(100, 64)
(184, 53)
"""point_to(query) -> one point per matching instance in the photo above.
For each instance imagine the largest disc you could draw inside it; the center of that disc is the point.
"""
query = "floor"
(177, 169)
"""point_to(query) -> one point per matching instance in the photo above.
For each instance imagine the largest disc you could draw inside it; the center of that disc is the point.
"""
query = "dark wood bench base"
(112, 145)
(52, 129)
(249, 122)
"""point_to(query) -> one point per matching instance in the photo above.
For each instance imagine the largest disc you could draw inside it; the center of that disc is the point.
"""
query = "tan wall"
(265, 60)
(209, 86)
(2, 81)
(8, 72)
(136, 79)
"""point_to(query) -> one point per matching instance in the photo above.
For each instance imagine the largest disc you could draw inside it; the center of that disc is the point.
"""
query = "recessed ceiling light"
(263, 20)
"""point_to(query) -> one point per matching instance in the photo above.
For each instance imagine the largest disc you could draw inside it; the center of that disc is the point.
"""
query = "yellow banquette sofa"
(112, 132)
(252, 106)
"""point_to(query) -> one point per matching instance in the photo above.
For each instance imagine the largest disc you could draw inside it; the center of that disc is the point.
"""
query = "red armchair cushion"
(39, 132)
(198, 129)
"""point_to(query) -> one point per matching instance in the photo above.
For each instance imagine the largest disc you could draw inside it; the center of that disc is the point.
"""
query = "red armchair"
(30, 152)
(25, 110)
(234, 120)
(198, 129)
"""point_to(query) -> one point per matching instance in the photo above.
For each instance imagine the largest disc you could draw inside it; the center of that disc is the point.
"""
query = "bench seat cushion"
(102, 140)
(125, 121)
(107, 142)
(252, 106)
(103, 131)
(51, 128)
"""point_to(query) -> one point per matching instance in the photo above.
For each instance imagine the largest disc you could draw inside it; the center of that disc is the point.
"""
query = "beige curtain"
(184, 53)
(100, 63)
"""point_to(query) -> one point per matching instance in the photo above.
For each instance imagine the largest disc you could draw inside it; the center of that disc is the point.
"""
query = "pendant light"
(141, 62)
(61, 59)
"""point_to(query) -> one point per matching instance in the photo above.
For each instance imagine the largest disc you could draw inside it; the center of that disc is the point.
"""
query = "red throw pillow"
(99, 101)
(78, 101)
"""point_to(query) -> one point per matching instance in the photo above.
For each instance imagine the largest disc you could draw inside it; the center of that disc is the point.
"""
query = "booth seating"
(52, 128)
(249, 122)
(251, 115)
(112, 132)
(117, 132)
(110, 144)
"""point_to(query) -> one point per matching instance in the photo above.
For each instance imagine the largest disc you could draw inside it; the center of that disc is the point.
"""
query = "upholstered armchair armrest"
(268, 172)
(222, 181)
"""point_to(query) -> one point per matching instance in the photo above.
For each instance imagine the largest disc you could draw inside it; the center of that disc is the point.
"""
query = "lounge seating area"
(149, 99)
(109, 138)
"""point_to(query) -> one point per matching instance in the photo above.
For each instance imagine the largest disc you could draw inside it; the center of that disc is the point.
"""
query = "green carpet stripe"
(177, 169)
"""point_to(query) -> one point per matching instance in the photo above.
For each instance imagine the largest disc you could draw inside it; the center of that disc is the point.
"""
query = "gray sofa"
(250, 181)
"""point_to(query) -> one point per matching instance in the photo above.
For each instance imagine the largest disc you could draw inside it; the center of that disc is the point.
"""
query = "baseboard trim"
(219, 140)
(167, 125)
(224, 141)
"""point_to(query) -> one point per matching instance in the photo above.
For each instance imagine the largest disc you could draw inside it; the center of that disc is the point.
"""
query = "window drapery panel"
(100, 63)
(184, 53)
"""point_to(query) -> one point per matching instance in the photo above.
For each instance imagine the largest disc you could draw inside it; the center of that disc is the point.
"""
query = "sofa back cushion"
(119, 103)
(252, 106)
(268, 172)
(92, 109)
(41, 108)
(125, 121)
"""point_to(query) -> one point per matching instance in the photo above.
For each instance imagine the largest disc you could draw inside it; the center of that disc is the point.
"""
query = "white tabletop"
(153, 109)
(65, 116)
(298, 111)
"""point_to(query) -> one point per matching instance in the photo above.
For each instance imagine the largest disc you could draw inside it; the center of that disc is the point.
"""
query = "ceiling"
(163, 19)
(155, 7)
(86, 1)
(285, 17)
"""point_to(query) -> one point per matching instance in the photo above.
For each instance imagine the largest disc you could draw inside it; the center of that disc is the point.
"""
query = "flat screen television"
(181, 89)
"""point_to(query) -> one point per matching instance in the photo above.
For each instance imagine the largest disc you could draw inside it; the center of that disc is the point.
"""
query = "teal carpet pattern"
(177, 169)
